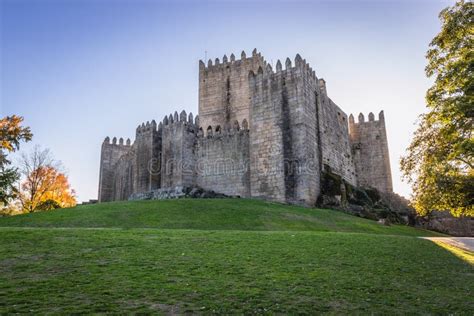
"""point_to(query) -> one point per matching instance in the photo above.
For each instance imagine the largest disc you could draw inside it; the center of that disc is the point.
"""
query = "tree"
(11, 134)
(439, 161)
(44, 186)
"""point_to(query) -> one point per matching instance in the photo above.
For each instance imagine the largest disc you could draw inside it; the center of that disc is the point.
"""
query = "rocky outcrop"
(444, 222)
(176, 193)
(364, 202)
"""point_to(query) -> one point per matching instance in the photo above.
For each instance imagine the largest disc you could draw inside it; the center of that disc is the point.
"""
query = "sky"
(81, 70)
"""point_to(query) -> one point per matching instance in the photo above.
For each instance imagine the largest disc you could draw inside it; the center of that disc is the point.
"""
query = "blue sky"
(81, 70)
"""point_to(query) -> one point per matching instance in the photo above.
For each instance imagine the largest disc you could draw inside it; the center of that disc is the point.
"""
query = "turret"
(109, 156)
(370, 152)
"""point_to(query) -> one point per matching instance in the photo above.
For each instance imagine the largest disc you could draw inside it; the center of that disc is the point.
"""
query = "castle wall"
(109, 156)
(223, 161)
(147, 145)
(124, 176)
(334, 137)
(267, 178)
(224, 94)
(283, 136)
(370, 151)
(178, 151)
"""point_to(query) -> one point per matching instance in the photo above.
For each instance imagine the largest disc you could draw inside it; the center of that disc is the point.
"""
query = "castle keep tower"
(370, 151)
(260, 133)
(224, 91)
(284, 151)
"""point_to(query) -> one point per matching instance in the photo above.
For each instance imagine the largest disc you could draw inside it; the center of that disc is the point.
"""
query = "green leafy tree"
(439, 161)
(11, 134)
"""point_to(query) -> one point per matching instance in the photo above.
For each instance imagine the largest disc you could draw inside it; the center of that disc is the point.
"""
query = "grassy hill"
(208, 214)
(223, 256)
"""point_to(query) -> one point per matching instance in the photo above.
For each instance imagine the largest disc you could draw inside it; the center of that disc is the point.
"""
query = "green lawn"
(208, 214)
(223, 256)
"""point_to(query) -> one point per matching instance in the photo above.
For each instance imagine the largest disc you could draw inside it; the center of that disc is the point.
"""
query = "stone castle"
(260, 133)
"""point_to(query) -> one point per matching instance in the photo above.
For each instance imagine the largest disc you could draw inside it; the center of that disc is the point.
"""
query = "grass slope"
(208, 214)
(223, 256)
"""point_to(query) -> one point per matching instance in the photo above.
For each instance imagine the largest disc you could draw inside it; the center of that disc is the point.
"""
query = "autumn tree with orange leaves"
(44, 186)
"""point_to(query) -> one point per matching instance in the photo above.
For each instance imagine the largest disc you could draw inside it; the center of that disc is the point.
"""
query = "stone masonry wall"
(223, 160)
(110, 155)
(267, 178)
(370, 151)
(146, 143)
(283, 137)
(334, 137)
(124, 176)
(178, 151)
(224, 93)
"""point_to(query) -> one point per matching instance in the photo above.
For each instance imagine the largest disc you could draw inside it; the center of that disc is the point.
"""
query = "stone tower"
(147, 146)
(370, 152)
(224, 92)
(109, 156)
(284, 155)
(177, 150)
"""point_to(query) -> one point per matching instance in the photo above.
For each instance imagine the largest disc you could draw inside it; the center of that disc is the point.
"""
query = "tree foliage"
(11, 134)
(439, 161)
(44, 186)
(8, 191)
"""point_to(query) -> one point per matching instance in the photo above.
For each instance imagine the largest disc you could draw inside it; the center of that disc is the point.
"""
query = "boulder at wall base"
(176, 193)
(364, 202)
(195, 192)
(384, 221)
(329, 200)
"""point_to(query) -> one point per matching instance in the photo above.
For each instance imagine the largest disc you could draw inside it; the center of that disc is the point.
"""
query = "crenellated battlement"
(299, 64)
(182, 118)
(300, 67)
(226, 130)
(146, 128)
(371, 117)
(114, 142)
(218, 65)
